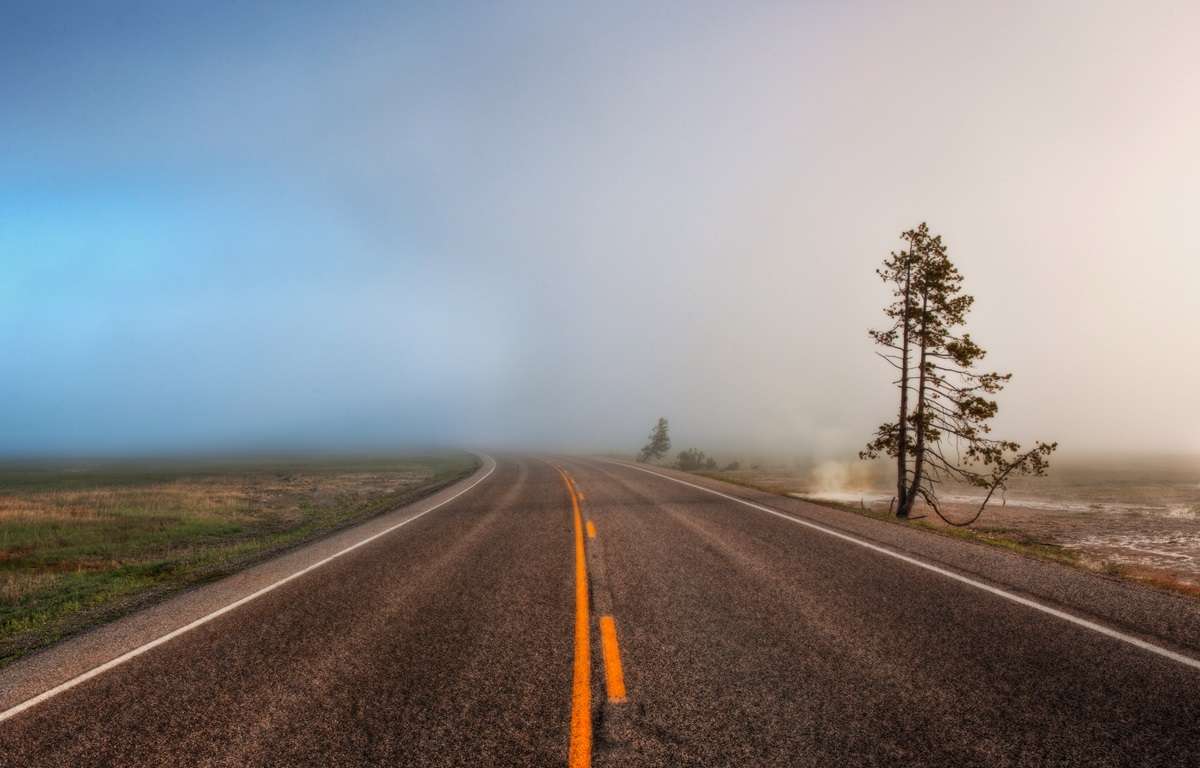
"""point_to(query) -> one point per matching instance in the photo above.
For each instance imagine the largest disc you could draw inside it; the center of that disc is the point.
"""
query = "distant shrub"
(733, 466)
(693, 459)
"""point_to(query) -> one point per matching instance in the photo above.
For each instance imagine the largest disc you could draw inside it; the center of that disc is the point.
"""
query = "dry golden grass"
(16, 585)
(79, 506)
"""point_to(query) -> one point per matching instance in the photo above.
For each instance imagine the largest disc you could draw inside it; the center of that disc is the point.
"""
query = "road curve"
(713, 634)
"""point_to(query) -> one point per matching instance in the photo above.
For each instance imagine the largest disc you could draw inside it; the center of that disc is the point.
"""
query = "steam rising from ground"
(833, 479)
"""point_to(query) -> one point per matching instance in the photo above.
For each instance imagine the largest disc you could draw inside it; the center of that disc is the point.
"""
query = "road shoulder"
(1154, 615)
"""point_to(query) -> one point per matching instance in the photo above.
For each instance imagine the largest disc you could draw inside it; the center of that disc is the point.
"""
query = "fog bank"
(542, 226)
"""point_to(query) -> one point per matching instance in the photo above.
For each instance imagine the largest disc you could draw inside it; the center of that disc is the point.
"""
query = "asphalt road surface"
(562, 611)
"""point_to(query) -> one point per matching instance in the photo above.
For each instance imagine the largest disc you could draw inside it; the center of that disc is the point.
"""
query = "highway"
(571, 611)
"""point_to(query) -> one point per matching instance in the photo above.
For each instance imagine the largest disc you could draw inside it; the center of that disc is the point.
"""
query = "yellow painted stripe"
(614, 677)
(591, 529)
(580, 751)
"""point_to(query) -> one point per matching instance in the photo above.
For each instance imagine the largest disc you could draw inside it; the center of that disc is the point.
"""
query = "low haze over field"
(353, 225)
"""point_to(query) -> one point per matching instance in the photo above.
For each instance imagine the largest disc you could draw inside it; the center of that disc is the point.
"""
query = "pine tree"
(659, 443)
(936, 367)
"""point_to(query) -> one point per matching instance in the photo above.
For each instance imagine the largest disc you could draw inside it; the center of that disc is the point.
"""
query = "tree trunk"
(902, 424)
(919, 447)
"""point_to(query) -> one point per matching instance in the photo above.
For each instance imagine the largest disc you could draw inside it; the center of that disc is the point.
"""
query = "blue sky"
(186, 265)
(357, 224)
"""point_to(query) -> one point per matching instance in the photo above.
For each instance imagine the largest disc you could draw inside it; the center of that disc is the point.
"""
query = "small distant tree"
(733, 466)
(659, 443)
(693, 459)
(945, 404)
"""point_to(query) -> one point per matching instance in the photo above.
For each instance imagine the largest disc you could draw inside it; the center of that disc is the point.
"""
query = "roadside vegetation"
(659, 444)
(84, 542)
(694, 459)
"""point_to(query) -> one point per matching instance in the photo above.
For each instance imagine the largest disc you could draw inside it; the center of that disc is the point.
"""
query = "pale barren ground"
(82, 542)
(1138, 516)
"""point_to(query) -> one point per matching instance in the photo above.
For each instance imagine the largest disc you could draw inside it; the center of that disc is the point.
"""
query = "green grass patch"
(84, 542)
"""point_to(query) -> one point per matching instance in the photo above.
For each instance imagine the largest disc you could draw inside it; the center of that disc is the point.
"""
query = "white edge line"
(128, 655)
(1098, 628)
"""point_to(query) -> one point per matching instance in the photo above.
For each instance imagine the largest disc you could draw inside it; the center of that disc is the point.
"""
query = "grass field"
(82, 542)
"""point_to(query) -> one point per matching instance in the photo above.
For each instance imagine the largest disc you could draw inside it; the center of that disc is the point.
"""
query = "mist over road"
(705, 631)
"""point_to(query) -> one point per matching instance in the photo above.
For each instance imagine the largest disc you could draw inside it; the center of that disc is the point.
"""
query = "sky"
(362, 225)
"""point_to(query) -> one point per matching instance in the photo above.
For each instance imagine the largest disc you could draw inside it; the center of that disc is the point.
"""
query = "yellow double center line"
(580, 752)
